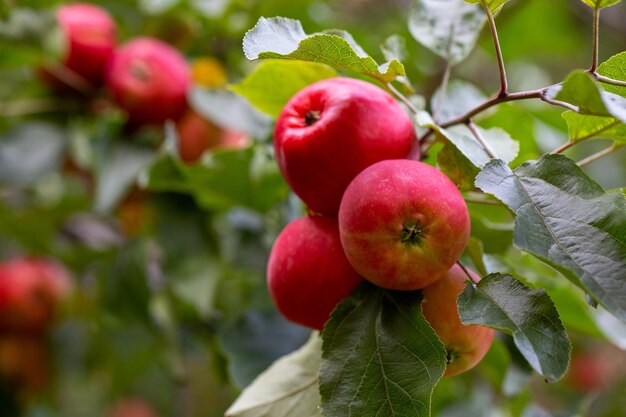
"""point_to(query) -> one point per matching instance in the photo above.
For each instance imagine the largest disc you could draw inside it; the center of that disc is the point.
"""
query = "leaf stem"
(488, 149)
(496, 42)
(608, 80)
(568, 106)
(596, 40)
(597, 155)
(481, 201)
(402, 98)
(467, 273)
(564, 147)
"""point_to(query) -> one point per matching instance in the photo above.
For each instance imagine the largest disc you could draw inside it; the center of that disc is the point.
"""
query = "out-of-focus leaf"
(118, 169)
(567, 220)
(228, 110)
(613, 329)
(380, 356)
(284, 38)
(502, 302)
(225, 179)
(274, 82)
(460, 97)
(449, 28)
(494, 5)
(600, 4)
(30, 151)
(194, 281)
(288, 387)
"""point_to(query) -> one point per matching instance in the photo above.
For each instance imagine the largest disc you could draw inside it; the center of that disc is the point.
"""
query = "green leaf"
(494, 5)
(449, 28)
(273, 82)
(247, 178)
(288, 388)
(460, 97)
(283, 38)
(580, 89)
(504, 303)
(615, 68)
(457, 167)
(379, 356)
(581, 127)
(567, 220)
(600, 4)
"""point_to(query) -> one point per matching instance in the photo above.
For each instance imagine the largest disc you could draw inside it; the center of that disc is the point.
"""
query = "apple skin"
(197, 135)
(466, 345)
(132, 407)
(149, 79)
(308, 273)
(333, 129)
(30, 290)
(403, 224)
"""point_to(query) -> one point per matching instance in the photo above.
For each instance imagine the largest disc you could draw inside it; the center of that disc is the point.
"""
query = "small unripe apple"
(308, 273)
(403, 224)
(466, 345)
(90, 36)
(330, 131)
(196, 135)
(30, 290)
(149, 79)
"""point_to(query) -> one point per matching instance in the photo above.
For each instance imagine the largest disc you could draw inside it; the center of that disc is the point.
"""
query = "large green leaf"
(224, 179)
(568, 220)
(283, 38)
(504, 303)
(380, 356)
(288, 388)
(600, 4)
(494, 5)
(580, 89)
(273, 82)
(449, 28)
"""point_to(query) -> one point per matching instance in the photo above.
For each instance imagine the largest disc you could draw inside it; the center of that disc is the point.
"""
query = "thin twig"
(471, 278)
(443, 88)
(596, 40)
(402, 98)
(559, 103)
(496, 42)
(597, 155)
(608, 80)
(488, 149)
(564, 147)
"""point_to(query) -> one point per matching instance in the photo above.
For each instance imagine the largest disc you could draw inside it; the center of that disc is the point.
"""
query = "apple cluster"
(145, 77)
(30, 291)
(375, 212)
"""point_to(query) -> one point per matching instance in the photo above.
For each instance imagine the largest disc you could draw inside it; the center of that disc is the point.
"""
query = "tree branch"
(496, 42)
(596, 40)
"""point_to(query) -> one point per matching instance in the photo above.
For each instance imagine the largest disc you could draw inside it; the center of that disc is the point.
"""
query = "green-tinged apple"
(403, 224)
(149, 79)
(30, 290)
(466, 345)
(308, 273)
(332, 130)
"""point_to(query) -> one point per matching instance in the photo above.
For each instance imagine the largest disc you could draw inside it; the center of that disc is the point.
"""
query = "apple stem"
(471, 279)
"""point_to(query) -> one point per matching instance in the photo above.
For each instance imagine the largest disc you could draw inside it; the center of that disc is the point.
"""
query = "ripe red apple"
(90, 36)
(197, 134)
(132, 407)
(330, 131)
(403, 224)
(466, 345)
(29, 293)
(308, 273)
(149, 79)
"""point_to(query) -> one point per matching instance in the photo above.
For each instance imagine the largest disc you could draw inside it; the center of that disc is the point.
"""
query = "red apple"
(197, 135)
(132, 407)
(466, 345)
(403, 224)
(332, 130)
(29, 292)
(90, 36)
(308, 273)
(149, 79)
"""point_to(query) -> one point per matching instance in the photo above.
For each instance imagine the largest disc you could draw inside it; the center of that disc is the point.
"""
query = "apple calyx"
(412, 234)
(312, 117)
